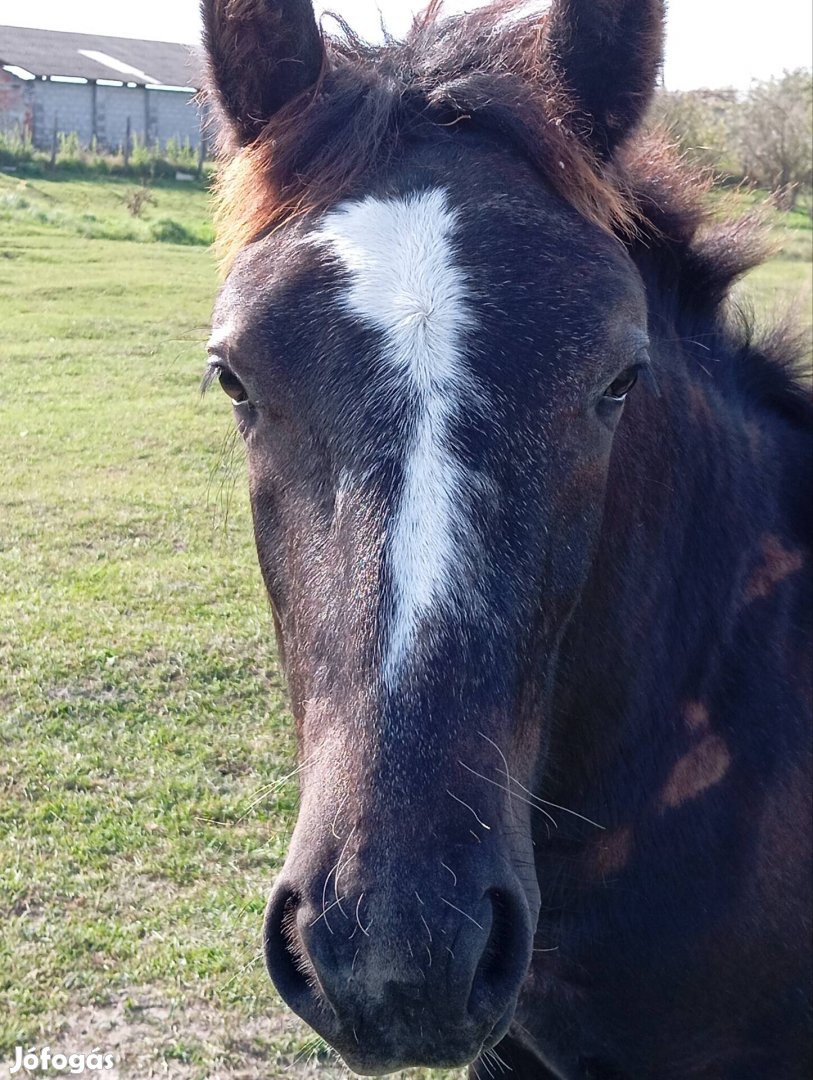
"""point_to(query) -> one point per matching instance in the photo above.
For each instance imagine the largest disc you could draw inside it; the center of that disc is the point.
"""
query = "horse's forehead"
(385, 257)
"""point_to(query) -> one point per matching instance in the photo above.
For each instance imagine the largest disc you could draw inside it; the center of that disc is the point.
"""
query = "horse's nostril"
(285, 954)
(495, 953)
(504, 957)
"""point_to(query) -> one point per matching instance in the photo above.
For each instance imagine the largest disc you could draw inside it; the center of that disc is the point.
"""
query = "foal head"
(428, 333)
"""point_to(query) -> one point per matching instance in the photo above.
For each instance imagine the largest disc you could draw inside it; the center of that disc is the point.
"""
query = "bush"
(764, 137)
(16, 147)
(169, 231)
(136, 199)
(69, 149)
(774, 135)
(700, 123)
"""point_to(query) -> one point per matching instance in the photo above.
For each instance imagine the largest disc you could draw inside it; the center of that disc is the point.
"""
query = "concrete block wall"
(155, 115)
(174, 115)
(102, 111)
(115, 105)
(68, 105)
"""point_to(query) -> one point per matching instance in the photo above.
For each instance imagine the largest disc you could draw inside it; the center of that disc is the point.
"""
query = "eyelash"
(209, 376)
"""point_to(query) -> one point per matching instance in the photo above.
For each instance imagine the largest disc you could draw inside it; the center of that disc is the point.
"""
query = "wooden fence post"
(55, 141)
(127, 144)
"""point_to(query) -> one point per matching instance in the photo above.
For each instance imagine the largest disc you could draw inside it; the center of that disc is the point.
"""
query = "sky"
(709, 42)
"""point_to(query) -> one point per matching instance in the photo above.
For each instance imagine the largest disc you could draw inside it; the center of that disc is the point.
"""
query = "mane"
(484, 71)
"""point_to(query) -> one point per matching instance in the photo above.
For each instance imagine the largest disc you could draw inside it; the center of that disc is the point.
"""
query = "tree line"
(763, 137)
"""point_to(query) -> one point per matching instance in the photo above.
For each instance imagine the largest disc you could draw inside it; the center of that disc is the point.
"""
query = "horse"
(531, 505)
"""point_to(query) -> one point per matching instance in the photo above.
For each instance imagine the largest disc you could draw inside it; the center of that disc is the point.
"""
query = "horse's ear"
(608, 53)
(261, 54)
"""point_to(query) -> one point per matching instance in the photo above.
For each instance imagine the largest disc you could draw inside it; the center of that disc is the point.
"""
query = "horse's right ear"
(261, 54)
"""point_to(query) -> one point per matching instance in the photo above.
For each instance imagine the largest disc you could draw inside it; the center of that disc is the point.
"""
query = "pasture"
(146, 801)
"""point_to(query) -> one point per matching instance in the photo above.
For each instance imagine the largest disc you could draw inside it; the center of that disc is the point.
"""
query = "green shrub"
(169, 231)
(147, 161)
(69, 149)
(16, 147)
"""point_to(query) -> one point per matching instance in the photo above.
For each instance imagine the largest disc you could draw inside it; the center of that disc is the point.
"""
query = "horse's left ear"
(608, 54)
(261, 54)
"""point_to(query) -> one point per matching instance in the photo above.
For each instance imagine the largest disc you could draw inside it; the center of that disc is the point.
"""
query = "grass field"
(782, 288)
(144, 808)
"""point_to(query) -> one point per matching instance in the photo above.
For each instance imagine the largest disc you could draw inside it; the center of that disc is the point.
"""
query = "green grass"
(97, 209)
(782, 288)
(142, 713)
(144, 738)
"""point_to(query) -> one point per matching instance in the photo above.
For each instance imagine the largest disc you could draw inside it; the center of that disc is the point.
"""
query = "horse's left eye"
(620, 387)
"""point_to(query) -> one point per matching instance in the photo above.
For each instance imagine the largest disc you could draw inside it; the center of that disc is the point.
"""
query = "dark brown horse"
(532, 507)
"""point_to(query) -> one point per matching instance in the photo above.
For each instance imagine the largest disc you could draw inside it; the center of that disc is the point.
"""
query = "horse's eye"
(231, 385)
(620, 387)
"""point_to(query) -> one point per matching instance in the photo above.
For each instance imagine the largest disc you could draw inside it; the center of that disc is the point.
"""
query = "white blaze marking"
(404, 282)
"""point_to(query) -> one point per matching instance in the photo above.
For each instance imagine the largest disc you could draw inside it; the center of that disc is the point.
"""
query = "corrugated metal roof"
(95, 56)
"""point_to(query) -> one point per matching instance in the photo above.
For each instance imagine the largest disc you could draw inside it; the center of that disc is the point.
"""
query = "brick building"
(93, 85)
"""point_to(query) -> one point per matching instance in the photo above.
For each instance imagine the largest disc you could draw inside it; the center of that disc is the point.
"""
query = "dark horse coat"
(532, 505)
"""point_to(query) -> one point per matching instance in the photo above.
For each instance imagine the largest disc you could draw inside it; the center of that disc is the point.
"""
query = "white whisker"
(454, 875)
(462, 912)
(340, 866)
(471, 808)
(323, 915)
(324, 897)
(268, 789)
(564, 809)
(335, 818)
(243, 969)
(538, 798)
(504, 1066)
(426, 927)
(502, 787)
(364, 931)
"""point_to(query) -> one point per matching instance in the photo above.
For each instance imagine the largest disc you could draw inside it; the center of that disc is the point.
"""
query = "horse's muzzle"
(400, 977)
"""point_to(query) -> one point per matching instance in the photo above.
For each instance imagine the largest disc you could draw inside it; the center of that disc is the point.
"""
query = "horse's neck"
(674, 637)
